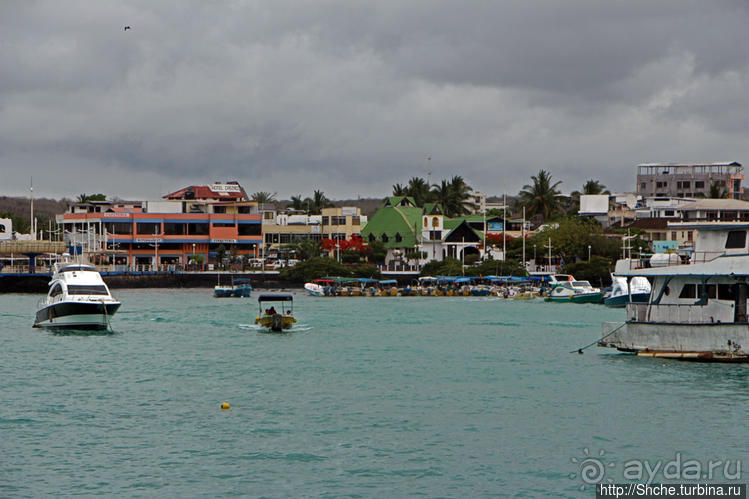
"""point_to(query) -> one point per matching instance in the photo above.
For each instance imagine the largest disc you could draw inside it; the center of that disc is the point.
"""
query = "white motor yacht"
(77, 299)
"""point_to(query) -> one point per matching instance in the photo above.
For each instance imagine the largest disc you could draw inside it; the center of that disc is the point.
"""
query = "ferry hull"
(85, 316)
(719, 342)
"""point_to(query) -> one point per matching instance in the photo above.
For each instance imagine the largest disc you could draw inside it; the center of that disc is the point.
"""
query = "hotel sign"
(494, 226)
(117, 215)
(225, 188)
(223, 240)
(140, 240)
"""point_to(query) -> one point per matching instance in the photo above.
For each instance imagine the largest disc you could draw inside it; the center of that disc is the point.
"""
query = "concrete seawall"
(38, 283)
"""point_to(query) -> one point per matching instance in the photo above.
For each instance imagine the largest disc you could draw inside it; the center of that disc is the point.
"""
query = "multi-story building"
(689, 179)
(194, 223)
(287, 227)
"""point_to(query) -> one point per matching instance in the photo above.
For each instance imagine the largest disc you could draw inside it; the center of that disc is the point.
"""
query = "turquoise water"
(371, 397)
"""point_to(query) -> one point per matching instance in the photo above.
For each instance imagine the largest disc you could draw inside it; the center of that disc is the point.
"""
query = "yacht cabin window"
(736, 239)
(82, 289)
(56, 290)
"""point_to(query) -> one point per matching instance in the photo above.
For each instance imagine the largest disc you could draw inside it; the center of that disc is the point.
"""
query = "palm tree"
(460, 197)
(716, 191)
(542, 197)
(297, 203)
(84, 198)
(594, 187)
(418, 188)
(263, 197)
(441, 193)
(399, 190)
(318, 202)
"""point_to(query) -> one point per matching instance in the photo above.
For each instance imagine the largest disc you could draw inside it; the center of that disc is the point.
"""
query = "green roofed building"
(415, 235)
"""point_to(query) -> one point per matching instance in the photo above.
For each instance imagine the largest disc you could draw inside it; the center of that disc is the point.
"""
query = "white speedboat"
(636, 291)
(77, 299)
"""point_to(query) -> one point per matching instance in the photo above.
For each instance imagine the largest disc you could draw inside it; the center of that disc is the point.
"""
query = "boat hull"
(578, 298)
(620, 301)
(720, 342)
(267, 322)
(76, 315)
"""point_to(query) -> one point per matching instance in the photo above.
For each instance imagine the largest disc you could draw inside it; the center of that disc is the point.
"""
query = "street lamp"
(589, 252)
(193, 254)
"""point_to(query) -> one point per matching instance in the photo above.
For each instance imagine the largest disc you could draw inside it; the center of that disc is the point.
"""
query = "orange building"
(190, 225)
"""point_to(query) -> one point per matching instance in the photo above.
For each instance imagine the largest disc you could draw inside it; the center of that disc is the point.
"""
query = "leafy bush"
(314, 268)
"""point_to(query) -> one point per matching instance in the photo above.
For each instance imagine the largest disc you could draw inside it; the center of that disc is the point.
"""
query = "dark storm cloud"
(352, 97)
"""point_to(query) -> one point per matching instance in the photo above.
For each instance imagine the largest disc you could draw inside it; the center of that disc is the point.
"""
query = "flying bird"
(127, 28)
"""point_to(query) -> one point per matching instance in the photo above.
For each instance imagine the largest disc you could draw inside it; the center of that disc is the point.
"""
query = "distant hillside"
(19, 209)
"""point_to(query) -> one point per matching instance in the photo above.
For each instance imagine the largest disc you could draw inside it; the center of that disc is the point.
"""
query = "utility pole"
(504, 227)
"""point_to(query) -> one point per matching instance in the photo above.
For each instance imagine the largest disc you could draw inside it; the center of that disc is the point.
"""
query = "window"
(736, 239)
(689, 235)
(197, 229)
(223, 224)
(355, 220)
(82, 289)
(372, 238)
(148, 228)
(118, 227)
(326, 220)
(661, 184)
(249, 230)
(172, 229)
(699, 184)
(56, 290)
(398, 237)
(643, 185)
(268, 215)
(673, 235)
(435, 235)
(243, 209)
(385, 238)
(683, 184)
(688, 291)
(720, 291)
(219, 209)
(284, 238)
(668, 213)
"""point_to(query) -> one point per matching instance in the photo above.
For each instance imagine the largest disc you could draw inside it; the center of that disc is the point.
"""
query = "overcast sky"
(351, 97)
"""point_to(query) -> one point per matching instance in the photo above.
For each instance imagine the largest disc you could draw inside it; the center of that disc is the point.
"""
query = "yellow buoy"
(225, 406)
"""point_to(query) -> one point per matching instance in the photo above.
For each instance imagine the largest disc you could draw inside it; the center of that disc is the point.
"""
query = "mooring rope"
(580, 350)
(106, 316)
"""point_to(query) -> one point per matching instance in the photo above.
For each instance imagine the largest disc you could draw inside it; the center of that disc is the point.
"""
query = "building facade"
(689, 180)
(194, 224)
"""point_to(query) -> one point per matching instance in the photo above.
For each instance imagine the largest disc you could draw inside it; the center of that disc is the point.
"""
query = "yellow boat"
(272, 319)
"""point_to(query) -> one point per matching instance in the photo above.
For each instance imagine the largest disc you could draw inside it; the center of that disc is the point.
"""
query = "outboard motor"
(276, 323)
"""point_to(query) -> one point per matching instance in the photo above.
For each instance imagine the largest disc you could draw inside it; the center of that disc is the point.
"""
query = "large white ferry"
(696, 310)
(77, 299)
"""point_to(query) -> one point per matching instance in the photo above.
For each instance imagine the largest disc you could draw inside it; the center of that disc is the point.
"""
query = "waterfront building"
(415, 235)
(284, 227)
(193, 224)
(689, 179)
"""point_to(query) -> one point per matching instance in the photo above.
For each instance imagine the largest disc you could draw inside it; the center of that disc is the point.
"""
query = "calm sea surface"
(370, 397)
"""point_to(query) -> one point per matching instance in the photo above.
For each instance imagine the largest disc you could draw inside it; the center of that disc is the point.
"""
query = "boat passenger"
(272, 311)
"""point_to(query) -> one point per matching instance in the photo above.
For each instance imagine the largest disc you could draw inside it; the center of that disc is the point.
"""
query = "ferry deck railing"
(713, 312)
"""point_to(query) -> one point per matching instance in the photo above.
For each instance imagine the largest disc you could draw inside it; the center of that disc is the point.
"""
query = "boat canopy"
(366, 280)
(389, 281)
(263, 298)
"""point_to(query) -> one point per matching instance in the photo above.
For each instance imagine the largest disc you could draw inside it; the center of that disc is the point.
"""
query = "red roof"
(205, 192)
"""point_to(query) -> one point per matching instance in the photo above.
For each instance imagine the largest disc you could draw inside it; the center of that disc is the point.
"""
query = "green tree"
(263, 197)
(717, 191)
(378, 252)
(418, 188)
(594, 187)
(597, 271)
(317, 202)
(297, 203)
(542, 196)
(570, 240)
(399, 190)
(314, 268)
